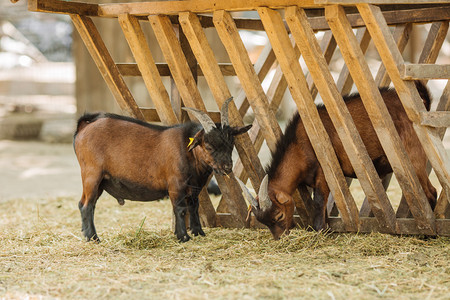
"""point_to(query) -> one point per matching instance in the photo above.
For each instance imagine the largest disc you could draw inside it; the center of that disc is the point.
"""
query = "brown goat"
(295, 164)
(137, 161)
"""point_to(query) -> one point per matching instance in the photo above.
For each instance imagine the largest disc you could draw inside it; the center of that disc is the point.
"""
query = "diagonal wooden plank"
(97, 48)
(317, 134)
(229, 35)
(392, 59)
(341, 118)
(190, 94)
(205, 57)
(401, 37)
(380, 117)
(144, 59)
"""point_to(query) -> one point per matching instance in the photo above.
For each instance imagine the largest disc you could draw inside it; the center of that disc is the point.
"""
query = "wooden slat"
(401, 36)
(187, 87)
(435, 39)
(436, 119)
(341, 118)
(229, 35)
(194, 6)
(408, 94)
(327, 46)
(146, 64)
(380, 117)
(151, 115)
(346, 2)
(63, 7)
(422, 15)
(419, 15)
(424, 71)
(96, 47)
(317, 134)
(405, 226)
(345, 81)
(213, 75)
(262, 66)
(163, 69)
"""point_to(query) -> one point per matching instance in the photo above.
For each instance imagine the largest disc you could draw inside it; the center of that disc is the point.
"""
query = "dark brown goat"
(295, 164)
(134, 160)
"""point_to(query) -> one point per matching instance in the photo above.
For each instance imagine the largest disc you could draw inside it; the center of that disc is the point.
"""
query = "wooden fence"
(291, 26)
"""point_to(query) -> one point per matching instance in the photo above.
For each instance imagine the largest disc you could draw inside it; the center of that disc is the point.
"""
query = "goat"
(295, 164)
(138, 161)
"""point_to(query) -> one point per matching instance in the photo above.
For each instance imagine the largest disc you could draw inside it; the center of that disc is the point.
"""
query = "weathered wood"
(346, 2)
(424, 71)
(194, 6)
(220, 91)
(146, 64)
(395, 17)
(94, 43)
(436, 119)
(341, 118)
(380, 117)
(327, 46)
(151, 115)
(401, 37)
(435, 39)
(405, 226)
(409, 97)
(229, 35)
(317, 134)
(63, 7)
(163, 69)
(191, 97)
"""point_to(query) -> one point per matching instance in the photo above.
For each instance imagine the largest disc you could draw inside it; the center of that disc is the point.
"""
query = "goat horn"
(246, 193)
(224, 113)
(264, 201)
(203, 118)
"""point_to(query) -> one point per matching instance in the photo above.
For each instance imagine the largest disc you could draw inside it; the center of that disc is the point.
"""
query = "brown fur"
(141, 162)
(298, 165)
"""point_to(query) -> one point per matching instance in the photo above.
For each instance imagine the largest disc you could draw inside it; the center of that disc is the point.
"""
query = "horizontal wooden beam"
(63, 7)
(151, 115)
(419, 15)
(163, 69)
(377, 2)
(368, 224)
(436, 119)
(425, 71)
(194, 6)
(405, 226)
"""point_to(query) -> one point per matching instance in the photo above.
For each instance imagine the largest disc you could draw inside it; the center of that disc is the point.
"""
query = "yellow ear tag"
(191, 140)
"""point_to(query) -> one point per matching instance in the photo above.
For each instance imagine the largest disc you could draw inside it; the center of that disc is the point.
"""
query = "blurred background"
(48, 79)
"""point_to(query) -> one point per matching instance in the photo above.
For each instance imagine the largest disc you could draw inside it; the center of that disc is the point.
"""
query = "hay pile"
(42, 256)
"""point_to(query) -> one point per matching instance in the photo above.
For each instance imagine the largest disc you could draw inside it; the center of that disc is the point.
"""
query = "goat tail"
(424, 93)
(84, 120)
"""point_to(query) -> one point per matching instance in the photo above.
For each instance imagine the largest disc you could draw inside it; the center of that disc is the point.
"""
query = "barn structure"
(292, 27)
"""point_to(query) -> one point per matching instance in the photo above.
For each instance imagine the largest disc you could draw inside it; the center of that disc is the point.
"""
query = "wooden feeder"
(290, 26)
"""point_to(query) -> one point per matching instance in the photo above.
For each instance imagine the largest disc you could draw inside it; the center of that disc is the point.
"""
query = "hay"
(42, 256)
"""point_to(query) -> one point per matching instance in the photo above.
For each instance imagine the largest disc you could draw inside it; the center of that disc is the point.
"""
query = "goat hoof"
(184, 238)
(197, 232)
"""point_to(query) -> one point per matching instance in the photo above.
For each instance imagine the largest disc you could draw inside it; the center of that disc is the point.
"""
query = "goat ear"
(282, 197)
(196, 140)
(240, 130)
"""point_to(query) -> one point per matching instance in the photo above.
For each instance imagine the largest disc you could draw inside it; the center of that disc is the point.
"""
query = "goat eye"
(209, 148)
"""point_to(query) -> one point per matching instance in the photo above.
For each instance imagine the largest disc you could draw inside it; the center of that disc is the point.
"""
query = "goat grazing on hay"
(134, 160)
(295, 164)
